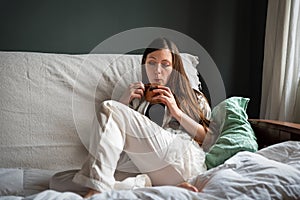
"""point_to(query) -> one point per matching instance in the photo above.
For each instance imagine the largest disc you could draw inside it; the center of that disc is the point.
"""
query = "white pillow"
(190, 63)
(23, 182)
(11, 182)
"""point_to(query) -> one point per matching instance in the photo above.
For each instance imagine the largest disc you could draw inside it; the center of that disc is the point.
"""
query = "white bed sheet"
(271, 173)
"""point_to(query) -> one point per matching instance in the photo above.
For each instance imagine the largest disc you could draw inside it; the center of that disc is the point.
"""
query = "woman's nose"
(158, 68)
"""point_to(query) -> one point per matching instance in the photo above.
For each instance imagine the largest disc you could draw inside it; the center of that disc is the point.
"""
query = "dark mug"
(149, 94)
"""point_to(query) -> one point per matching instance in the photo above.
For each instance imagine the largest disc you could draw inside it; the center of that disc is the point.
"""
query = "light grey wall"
(232, 31)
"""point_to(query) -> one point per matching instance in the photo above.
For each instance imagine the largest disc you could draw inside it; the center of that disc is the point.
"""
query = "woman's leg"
(150, 148)
(105, 147)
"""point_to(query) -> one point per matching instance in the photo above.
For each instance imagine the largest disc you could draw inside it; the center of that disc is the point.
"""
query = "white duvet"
(271, 173)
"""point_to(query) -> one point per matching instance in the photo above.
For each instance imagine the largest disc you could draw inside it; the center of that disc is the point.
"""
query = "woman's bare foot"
(188, 186)
(91, 193)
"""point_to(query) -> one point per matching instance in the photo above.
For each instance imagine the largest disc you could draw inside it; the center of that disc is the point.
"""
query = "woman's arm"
(195, 129)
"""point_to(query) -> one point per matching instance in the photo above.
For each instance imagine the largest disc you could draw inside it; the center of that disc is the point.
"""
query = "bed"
(48, 102)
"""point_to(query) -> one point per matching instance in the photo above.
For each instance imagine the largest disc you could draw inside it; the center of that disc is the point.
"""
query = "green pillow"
(236, 133)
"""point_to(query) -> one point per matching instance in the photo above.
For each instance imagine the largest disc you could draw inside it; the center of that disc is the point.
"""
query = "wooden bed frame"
(270, 132)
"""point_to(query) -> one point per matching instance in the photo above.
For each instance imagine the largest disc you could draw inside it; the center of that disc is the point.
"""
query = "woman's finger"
(137, 85)
(135, 95)
(138, 91)
(164, 92)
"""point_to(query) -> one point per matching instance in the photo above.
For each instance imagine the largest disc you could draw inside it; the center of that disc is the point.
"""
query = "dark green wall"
(232, 31)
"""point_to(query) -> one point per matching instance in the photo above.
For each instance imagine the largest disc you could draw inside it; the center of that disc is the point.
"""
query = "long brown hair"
(179, 84)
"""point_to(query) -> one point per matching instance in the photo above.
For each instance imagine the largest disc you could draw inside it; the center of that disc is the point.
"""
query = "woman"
(127, 140)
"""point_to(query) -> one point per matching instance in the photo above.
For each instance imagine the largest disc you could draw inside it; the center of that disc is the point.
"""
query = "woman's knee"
(112, 105)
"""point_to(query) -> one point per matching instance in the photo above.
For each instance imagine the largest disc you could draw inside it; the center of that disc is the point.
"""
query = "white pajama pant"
(128, 141)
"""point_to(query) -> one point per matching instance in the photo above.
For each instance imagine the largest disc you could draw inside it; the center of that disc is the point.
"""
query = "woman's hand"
(165, 95)
(134, 90)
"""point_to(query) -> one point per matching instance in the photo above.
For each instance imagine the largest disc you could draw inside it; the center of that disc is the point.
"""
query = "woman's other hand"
(134, 90)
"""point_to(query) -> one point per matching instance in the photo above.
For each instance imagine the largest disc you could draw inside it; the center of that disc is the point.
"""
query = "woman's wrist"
(195, 129)
(178, 115)
(124, 100)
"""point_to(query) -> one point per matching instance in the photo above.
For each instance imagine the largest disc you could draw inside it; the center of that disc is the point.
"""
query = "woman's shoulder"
(203, 103)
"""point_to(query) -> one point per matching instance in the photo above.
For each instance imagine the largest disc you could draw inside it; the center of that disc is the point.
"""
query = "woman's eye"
(165, 64)
(152, 63)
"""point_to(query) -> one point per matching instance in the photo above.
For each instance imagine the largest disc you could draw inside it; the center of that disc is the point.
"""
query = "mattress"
(271, 173)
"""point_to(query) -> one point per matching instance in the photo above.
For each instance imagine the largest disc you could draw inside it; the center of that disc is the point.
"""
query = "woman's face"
(159, 66)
